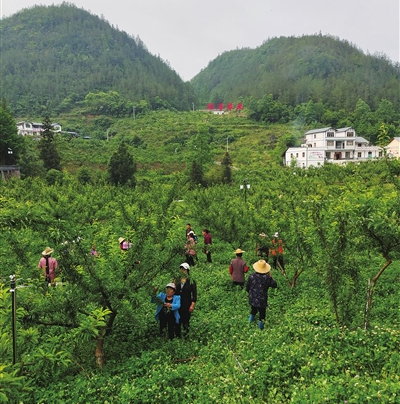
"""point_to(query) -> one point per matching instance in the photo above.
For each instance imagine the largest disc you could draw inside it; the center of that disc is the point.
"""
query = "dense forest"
(58, 58)
(52, 57)
(296, 70)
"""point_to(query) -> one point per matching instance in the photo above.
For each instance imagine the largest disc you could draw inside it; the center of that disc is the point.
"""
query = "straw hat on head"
(185, 265)
(120, 240)
(239, 251)
(47, 251)
(262, 267)
(262, 235)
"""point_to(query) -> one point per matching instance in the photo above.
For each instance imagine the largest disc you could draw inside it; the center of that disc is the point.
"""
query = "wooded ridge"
(53, 57)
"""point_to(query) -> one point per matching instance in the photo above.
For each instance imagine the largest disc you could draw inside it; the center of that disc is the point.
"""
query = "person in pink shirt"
(123, 244)
(49, 265)
(238, 268)
(207, 244)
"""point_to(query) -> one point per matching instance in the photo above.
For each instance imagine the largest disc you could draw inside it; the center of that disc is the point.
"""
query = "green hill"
(298, 69)
(52, 57)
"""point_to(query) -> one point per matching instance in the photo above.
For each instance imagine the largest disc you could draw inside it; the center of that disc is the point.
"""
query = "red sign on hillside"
(230, 106)
(221, 106)
(239, 106)
(210, 106)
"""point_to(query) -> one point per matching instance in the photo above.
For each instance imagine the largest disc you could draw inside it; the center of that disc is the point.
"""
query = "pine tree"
(122, 167)
(196, 174)
(48, 149)
(227, 171)
(11, 145)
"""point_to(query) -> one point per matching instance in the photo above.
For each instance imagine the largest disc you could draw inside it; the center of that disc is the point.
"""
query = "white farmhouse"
(331, 145)
(393, 148)
(26, 128)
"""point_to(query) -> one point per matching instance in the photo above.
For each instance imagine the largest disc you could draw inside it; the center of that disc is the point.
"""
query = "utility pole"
(245, 186)
(133, 110)
(227, 144)
(14, 317)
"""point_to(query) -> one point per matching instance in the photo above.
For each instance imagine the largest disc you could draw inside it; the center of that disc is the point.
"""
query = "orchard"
(332, 327)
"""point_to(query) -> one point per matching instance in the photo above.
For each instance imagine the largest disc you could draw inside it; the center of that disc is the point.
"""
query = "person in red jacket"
(276, 250)
(207, 244)
(238, 268)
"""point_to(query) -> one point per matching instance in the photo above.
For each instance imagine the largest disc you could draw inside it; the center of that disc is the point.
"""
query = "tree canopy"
(11, 145)
(122, 167)
(296, 70)
(52, 57)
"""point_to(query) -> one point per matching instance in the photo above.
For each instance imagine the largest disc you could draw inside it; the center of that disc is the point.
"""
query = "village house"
(26, 128)
(9, 171)
(393, 148)
(329, 145)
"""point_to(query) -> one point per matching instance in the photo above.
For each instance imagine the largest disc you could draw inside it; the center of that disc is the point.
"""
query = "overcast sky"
(191, 33)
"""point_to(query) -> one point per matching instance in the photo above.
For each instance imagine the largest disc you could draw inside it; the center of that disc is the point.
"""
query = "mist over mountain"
(52, 56)
(298, 69)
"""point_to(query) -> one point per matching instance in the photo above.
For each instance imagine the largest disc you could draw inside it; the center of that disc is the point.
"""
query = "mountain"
(298, 69)
(52, 55)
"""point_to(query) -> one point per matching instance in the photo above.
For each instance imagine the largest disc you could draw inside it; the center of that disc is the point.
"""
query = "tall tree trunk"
(371, 286)
(99, 354)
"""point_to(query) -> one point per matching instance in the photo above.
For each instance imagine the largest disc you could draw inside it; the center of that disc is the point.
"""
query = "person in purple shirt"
(124, 244)
(207, 244)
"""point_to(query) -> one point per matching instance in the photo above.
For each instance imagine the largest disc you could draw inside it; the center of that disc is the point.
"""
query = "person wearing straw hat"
(238, 268)
(167, 311)
(257, 286)
(123, 244)
(49, 265)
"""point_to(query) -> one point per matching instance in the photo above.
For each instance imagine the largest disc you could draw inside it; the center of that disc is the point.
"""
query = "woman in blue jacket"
(167, 311)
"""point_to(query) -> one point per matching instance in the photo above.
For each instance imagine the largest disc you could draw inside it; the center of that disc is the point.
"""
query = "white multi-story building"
(26, 128)
(331, 145)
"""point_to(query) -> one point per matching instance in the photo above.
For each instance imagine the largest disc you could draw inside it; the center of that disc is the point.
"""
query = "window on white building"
(330, 142)
(359, 154)
(291, 155)
(380, 154)
(330, 134)
(297, 155)
(315, 136)
(350, 143)
(303, 154)
(315, 145)
(328, 155)
(350, 134)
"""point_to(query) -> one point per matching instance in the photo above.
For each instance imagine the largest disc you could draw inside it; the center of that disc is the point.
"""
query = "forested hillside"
(299, 69)
(52, 57)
